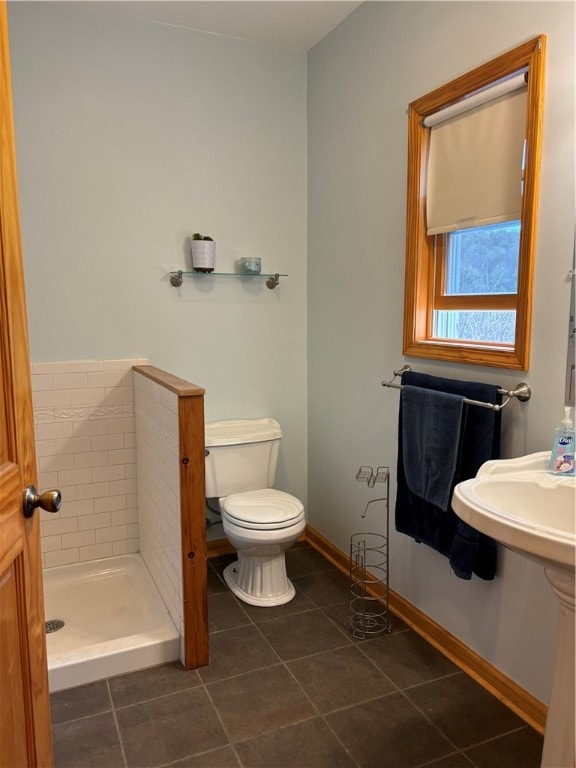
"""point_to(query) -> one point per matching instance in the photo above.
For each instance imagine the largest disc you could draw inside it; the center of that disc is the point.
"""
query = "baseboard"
(520, 701)
(219, 547)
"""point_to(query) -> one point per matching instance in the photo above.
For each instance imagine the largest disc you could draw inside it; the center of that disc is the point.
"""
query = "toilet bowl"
(259, 522)
(261, 525)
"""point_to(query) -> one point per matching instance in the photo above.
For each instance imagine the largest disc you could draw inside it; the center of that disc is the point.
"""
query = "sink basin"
(520, 504)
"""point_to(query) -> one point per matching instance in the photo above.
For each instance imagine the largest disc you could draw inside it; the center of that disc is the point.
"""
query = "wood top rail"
(180, 387)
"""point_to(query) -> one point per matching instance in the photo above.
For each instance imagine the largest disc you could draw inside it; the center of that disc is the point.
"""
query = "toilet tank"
(241, 455)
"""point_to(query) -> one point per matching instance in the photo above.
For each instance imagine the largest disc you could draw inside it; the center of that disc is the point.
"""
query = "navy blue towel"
(468, 550)
(431, 435)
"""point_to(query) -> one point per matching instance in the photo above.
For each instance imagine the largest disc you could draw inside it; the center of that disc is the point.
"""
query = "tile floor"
(288, 687)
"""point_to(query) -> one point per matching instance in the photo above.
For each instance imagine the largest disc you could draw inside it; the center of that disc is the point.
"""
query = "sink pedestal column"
(559, 737)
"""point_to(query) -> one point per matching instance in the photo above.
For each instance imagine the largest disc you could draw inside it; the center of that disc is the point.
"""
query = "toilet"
(259, 522)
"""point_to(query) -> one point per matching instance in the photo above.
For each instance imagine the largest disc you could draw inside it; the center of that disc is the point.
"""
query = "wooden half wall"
(171, 501)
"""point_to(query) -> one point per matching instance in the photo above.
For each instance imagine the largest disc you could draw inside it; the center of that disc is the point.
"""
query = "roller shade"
(474, 174)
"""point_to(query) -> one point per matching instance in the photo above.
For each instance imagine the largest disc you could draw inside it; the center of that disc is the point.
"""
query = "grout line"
(425, 716)
(437, 760)
(155, 698)
(221, 721)
(120, 740)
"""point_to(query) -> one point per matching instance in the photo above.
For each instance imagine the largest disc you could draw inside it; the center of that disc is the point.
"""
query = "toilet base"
(260, 580)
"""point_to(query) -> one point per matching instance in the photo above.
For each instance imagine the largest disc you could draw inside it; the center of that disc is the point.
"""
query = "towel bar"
(522, 392)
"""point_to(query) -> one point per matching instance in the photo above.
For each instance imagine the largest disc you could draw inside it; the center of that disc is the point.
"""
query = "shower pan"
(103, 618)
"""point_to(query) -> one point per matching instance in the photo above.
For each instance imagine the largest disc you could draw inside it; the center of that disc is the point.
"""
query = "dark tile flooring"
(288, 687)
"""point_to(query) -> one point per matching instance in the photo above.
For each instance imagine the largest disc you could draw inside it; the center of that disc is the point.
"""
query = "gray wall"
(360, 81)
(130, 137)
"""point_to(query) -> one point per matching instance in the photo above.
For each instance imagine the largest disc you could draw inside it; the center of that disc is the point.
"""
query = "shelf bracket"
(176, 278)
(272, 282)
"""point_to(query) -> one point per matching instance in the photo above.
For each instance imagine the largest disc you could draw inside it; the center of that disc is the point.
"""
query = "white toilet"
(259, 522)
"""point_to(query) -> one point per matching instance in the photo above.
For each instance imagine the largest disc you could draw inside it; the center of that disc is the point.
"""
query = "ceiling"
(297, 24)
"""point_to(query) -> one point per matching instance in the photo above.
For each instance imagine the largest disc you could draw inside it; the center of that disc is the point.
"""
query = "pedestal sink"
(520, 504)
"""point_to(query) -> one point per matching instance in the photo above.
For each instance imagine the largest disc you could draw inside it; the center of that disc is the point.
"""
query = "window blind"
(474, 173)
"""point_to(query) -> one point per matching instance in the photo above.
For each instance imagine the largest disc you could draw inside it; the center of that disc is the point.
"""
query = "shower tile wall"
(85, 445)
(158, 473)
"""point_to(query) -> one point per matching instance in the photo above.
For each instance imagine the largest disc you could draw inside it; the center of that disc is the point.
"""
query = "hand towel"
(468, 550)
(431, 439)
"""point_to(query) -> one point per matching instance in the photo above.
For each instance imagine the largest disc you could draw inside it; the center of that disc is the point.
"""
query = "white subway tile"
(49, 368)
(130, 440)
(123, 425)
(107, 379)
(75, 476)
(125, 546)
(92, 522)
(78, 508)
(54, 430)
(106, 442)
(130, 471)
(68, 494)
(91, 459)
(51, 543)
(121, 365)
(123, 516)
(133, 531)
(119, 394)
(100, 474)
(55, 463)
(41, 382)
(79, 539)
(58, 527)
(70, 380)
(118, 487)
(51, 397)
(114, 533)
(63, 557)
(89, 427)
(45, 447)
(87, 396)
(96, 552)
(49, 516)
(47, 479)
(84, 366)
(110, 504)
(93, 490)
(73, 445)
(122, 456)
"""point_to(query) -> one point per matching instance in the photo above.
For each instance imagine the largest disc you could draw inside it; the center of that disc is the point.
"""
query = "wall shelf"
(272, 279)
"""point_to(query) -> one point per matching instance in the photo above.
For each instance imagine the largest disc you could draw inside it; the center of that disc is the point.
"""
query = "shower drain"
(54, 625)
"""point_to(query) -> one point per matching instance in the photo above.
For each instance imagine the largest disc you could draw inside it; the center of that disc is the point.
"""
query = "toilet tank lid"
(240, 431)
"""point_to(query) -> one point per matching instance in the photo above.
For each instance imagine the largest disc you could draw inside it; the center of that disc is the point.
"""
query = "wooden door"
(25, 738)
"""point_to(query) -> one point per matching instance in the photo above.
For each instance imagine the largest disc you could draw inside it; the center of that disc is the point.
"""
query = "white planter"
(203, 253)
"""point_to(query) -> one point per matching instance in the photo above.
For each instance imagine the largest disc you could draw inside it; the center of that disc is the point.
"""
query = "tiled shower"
(89, 416)
(86, 446)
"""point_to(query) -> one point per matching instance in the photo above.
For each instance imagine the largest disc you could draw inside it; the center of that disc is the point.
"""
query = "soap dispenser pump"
(562, 457)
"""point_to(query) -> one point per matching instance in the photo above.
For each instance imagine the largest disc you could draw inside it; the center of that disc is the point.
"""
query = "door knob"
(51, 501)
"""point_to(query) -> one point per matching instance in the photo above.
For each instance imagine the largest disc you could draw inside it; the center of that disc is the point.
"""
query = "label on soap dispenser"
(564, 458)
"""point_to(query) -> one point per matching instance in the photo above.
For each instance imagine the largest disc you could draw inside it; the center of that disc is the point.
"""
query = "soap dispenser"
(562, 457)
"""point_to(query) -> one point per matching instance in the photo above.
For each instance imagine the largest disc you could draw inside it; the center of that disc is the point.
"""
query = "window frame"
(421, 286)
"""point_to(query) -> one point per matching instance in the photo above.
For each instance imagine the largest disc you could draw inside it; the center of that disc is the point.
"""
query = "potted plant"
(203, 252)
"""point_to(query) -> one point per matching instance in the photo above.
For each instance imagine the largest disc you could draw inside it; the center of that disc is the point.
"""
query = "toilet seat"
(262, 510)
